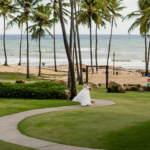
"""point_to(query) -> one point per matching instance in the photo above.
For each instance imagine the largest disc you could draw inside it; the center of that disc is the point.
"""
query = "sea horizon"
(68, 34)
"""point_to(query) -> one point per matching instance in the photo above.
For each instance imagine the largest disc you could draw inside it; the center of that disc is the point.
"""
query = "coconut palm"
(55, 7)
(143, 21)
(114, 7)
(27, 6)
(41, 25)
(70, 41)
(6, 9)
(71, 65)
(89, 12)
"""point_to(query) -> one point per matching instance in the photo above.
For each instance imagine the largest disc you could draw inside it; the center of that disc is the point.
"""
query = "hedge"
(37, 90)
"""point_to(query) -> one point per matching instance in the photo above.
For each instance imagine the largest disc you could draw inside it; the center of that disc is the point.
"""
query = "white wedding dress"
(83, 97)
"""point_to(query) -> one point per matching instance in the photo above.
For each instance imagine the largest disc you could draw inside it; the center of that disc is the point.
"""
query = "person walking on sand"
(84, 96)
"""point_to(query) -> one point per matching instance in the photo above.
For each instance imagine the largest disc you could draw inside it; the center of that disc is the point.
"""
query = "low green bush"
(114, 89)
(37, 90)
(134, 88)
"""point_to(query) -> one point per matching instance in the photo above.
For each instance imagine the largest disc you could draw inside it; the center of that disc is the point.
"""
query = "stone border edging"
(10, 133)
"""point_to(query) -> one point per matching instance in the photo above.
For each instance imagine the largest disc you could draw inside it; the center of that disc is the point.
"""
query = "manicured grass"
(11, 106)
(125, 125)
(19, 76)
(9, 146)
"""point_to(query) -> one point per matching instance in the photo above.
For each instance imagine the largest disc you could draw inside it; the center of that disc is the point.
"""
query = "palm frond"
(49, 32)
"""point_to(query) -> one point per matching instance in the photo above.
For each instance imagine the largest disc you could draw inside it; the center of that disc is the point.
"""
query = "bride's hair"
(85, 82)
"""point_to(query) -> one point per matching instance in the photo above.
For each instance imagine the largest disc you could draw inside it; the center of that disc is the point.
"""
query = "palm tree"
(65, 12)
(6, 9)
(70, 42)
(71, 66)
(27, 6)
(42, 23)
(142, 19)
(114, 7)
(88, 13)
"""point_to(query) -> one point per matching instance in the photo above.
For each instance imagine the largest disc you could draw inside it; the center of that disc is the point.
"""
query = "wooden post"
(113, 63)
(87, 74)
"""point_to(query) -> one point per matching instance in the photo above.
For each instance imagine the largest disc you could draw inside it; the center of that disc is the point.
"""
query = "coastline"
(125, 76)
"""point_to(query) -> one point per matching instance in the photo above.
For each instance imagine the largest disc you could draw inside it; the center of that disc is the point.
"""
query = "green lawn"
(21, 76)
(11, 106)
(125, 125)
(9, 146)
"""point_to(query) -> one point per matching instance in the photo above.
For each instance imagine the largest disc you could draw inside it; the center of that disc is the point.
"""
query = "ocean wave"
(120, 60)
(44, 50)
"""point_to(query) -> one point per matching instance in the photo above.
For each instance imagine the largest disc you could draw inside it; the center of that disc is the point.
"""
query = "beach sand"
(32, 70)
(131, 76)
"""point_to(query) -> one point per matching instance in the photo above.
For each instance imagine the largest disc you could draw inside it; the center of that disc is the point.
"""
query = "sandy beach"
(131, 76)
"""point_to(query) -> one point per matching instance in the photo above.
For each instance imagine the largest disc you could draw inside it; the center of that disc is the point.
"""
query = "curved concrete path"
(10, 133)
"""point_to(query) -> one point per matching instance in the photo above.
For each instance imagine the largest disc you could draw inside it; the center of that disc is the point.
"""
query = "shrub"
(134, 88)
(114, 88)
(37, 90)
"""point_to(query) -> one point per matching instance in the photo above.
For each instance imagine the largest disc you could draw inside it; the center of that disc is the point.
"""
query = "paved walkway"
(10, 133)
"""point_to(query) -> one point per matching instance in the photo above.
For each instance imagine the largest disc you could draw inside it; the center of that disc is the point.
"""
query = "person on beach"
(84, 96)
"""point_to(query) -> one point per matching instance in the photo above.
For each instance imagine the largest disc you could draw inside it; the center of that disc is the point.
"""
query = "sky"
(122, 27)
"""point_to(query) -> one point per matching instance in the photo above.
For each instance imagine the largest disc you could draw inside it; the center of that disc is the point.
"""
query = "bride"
(84, 96)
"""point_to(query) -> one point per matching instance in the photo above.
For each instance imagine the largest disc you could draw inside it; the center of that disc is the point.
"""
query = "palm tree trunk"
(70, 44)
(96, 50)
(112, 22)
(20, 46)
(148, 54)
(76, 55)
(73, 53)
(71, 66)
(54, 46)
(80, 59)
(5, 64)
(91, 46)
(71, 26)
(75, 50)
(69, 78)
(39, 54)
(146, 65)
(28, 76)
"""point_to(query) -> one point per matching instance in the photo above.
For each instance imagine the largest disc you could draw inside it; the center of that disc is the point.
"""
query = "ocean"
(129, 50)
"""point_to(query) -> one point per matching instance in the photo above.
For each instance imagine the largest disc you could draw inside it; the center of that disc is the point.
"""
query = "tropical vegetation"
(6, 11)
(55, 6)
(128, 118)
(45, 16)
(142, 21)
(37, 90)
(114, 7)
(42, 22)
